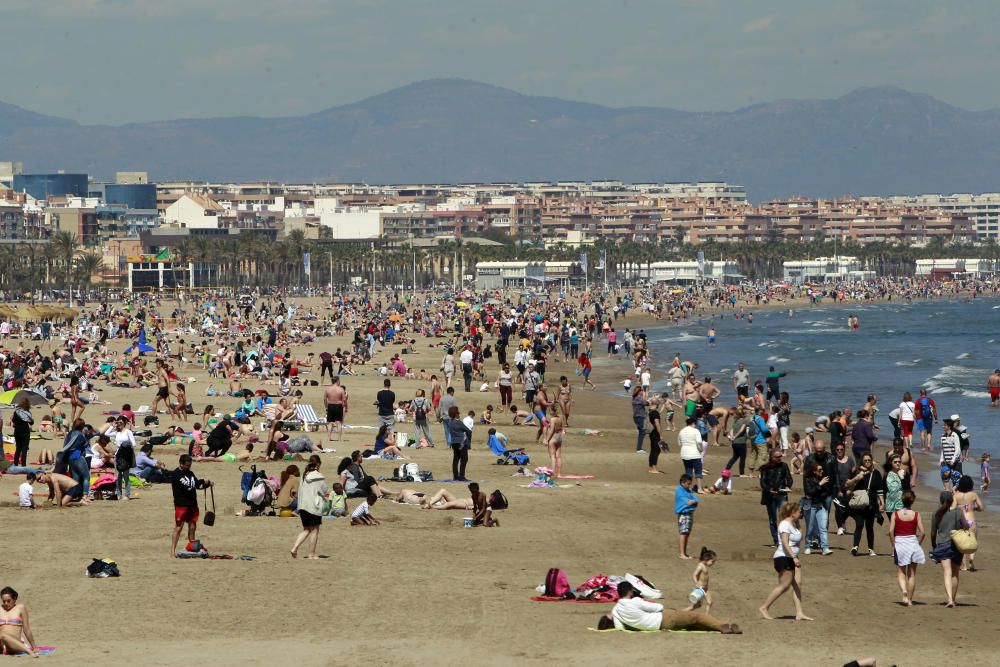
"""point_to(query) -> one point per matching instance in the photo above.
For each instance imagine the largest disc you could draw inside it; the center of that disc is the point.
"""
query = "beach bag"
(402, 440)
(859, 497)
(408, 472)
(964, 541)
(498, 500)
(100, 568)
(557, 584)
(257, 492)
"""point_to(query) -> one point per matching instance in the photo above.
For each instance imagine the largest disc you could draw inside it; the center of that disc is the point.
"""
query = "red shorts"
(436, 401)
(907, 427)
(994, 393)
(185, 515)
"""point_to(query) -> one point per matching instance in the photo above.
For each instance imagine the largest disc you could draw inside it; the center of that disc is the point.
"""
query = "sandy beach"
(421, 589)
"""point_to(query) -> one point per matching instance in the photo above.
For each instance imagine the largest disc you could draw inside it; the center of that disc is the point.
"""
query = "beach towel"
(204, 555)
(548, 598)
(576, 477)
(640, 632)
(40, 650)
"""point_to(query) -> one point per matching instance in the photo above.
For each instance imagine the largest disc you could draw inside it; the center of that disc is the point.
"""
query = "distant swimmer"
(711, 336)
(993, 386)
(791, 313)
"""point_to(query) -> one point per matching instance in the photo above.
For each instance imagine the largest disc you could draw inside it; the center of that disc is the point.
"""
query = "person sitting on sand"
(355, 480)
(383, 446)
(482, 513)
(527, 418)
(631, 612)
(15, 630)
(362, 515)
(337, 501)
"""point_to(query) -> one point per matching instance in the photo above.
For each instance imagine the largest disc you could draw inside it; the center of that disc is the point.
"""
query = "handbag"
(964, 541)
(859, 497)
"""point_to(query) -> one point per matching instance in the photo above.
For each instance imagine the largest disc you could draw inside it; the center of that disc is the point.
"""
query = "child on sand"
(700, 595)
(984, 473)
(26, 492)
(724, 484)
(338, 500)
(362, 516)
(685, 503)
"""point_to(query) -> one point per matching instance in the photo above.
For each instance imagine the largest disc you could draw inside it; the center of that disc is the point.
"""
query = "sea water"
(948, 347)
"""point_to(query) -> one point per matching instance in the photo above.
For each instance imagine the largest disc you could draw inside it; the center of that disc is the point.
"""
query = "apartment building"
(982, 209)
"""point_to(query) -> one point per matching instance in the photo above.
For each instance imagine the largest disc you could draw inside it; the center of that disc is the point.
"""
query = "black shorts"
(743, 391)
(334, 413)
(784, 564)
(309, 520)
(163, 392)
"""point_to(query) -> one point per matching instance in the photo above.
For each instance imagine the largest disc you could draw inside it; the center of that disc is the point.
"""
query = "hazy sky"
(116, 61)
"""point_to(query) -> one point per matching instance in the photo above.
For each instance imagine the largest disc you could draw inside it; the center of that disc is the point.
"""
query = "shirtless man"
(993, 386)
(691, 395)
(64, 491)
(482, 513)
(335, 400)
(162, 386)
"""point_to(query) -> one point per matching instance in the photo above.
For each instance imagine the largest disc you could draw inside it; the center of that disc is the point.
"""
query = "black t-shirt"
(185, 486)
(836, 434)
(654, 415)
(386, 400)
(222, 432)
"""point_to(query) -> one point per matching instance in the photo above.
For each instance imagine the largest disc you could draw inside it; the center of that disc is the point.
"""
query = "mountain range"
(880, 140)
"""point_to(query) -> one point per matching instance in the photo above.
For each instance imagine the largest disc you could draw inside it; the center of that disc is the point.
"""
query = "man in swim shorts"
(993, 386)
(335, 400)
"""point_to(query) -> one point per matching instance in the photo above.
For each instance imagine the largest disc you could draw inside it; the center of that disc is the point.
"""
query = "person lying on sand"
(631, 612)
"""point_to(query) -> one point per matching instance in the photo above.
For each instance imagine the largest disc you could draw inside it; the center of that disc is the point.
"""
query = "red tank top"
(906, 528)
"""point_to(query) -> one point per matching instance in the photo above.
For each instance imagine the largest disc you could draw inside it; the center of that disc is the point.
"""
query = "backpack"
(923, 410)
(557, 585)
(408, 472)
(498, 500)
(752, 431)
(420, 411)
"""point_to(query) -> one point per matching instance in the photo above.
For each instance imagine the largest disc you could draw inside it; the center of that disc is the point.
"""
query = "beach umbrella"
(14, 396)
(461, 304)
(141, 343)
(395, 317)
(6, 311)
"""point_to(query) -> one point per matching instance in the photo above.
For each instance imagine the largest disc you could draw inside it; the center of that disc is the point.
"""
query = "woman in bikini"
(968, 501)
(445, 500)
(554, 440)
(15, 631)
(565, 398)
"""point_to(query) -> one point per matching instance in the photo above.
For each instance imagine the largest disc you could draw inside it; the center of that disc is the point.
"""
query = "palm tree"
(87, 264)
(68, 246)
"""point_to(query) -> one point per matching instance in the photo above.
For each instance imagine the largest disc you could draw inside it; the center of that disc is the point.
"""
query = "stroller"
(507, 456)
(258, 492)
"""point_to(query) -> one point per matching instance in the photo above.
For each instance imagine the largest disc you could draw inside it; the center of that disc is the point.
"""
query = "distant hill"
(871, 141)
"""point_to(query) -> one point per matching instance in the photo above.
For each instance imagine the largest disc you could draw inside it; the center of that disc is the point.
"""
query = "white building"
(498, 275)
(825, 269)
(976, 268)
(983, 209)
(350, 222)
(722, 271)
(194, 211)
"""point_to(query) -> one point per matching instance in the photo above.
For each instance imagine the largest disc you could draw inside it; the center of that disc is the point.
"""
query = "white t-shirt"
(906, 411)
(645, 378)
(794, 537)
(361, 510)
(638, 614)
(465, 357)
(25, 494)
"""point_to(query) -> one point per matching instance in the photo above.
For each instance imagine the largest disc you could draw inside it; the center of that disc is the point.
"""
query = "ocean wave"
(820, 350)
(964, 355)
(969, 393)
(684, 337)
(912, 362)
(780, 360)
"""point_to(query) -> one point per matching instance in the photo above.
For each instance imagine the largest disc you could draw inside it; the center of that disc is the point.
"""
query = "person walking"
(906, 531)
(866, 502)
(124, 458)
(947, 519)
(786, 562)
(312, 493)
(775, 483)
(421, 407)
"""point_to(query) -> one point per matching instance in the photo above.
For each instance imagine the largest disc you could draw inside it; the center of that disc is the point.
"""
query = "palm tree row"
(60, 263)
